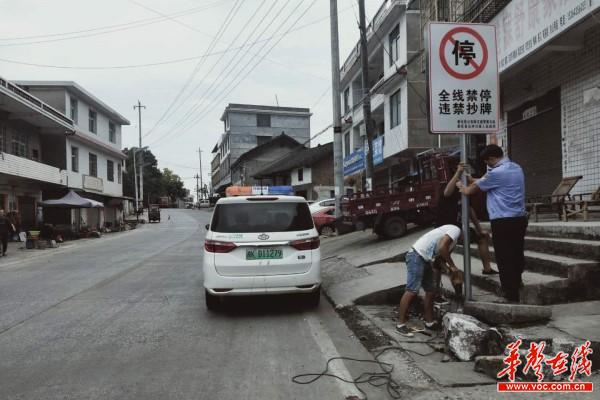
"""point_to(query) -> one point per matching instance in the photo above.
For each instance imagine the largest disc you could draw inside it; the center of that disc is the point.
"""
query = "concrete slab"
(496, 314)
(345, 293)
(584, 327)
(453, 373)
(579, 308)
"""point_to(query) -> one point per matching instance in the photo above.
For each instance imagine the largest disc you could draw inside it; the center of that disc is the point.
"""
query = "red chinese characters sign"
(463, 78)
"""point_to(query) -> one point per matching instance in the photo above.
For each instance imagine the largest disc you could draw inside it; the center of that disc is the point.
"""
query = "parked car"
(321, 204)
(325, 221)
(261, 245)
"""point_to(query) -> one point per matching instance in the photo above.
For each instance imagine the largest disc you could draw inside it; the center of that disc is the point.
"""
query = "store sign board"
(524, 26)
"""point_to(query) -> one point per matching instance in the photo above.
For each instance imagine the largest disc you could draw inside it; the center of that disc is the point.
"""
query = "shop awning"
(72, 200)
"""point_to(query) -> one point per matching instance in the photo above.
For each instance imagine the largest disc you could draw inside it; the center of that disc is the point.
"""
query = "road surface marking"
(329, 350)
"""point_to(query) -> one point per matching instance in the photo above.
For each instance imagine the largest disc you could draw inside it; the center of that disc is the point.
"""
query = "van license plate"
(264, 254)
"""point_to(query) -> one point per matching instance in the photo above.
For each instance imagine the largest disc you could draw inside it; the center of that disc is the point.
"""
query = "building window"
(19, 144)
(346, 100)
(112, 132)
(263, 120)
(93, 165)
(93, 121)
(395, 109)
(393, 41)
(74, 159)
(110, 171)
(74, 109)
(35, 154)
(347, 143)
(119, 172)
(300, 174)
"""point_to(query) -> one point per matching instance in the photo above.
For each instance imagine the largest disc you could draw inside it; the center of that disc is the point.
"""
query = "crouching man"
(436, 244)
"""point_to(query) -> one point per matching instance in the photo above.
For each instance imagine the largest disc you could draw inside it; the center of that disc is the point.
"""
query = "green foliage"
(157, 183)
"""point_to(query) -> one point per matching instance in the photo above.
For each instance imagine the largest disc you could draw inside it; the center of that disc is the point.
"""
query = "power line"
(219, 60)
(190, 112)
(224, 25)
(167, 62)
(105, 30)
(219, 96)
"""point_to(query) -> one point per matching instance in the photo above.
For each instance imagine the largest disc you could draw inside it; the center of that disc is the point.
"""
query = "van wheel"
(313, 298)
(394, 227)
(212, 302)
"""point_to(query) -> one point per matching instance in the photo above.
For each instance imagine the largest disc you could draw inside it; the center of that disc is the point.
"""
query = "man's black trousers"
(4, 241)
(508, 236)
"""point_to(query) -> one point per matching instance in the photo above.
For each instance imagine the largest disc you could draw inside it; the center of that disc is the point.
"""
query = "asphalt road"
(123, 317)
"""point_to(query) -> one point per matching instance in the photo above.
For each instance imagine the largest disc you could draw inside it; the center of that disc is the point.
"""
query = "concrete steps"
(550, 264)
(577, 248)
(584, 230)
(538, 289)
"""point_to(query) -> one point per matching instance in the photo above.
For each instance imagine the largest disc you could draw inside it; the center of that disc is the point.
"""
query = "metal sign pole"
(465, 222)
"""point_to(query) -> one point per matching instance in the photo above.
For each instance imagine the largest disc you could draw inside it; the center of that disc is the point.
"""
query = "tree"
(173, 184)
(156, 183)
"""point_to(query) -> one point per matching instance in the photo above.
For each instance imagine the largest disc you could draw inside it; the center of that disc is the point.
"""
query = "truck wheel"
(394, 227)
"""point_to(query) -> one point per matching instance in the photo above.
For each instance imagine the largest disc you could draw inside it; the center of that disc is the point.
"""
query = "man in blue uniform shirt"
(505, 186)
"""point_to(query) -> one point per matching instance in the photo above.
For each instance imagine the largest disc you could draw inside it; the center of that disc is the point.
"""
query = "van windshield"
(261, 217)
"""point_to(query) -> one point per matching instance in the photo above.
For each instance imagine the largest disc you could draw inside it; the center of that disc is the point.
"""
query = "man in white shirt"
(419, 263)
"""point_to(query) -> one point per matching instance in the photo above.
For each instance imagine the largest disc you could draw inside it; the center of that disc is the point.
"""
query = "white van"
(261, 245)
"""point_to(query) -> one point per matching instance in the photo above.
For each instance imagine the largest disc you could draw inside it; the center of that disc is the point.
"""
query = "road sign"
(463, 78)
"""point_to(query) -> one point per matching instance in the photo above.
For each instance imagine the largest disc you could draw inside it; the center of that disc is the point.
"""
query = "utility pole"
(197, 189)
(200, 159)
(139, 106)
(135, 184)
(338, 162)
(366, 98)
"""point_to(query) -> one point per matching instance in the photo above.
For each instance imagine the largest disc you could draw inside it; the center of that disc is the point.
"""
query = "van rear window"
(261, 217)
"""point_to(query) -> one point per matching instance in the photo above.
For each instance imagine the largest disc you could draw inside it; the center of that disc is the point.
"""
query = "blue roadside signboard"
(378, 150)
(354, 162)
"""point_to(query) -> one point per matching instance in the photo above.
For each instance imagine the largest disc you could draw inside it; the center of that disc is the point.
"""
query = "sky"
(203, 55)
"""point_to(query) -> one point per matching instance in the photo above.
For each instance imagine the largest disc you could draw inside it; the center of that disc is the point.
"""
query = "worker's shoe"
(432, 326)
(404, 330)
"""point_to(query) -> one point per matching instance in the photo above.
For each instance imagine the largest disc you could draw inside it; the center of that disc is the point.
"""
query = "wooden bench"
(554, 203)
(581, 203)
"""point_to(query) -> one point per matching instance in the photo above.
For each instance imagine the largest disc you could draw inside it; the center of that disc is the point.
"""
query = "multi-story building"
(91, 154)
(28, 165)
(247, 126)
(549, 58)
(396, 84)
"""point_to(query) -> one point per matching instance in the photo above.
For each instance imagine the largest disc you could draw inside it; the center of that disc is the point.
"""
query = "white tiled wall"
(575, 72)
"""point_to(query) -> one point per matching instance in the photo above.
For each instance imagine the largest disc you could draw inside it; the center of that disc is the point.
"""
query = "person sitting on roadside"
(449, 212)
(435, 244)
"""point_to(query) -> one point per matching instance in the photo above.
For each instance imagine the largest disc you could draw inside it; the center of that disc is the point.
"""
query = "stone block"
(502, 313)
(467, 337)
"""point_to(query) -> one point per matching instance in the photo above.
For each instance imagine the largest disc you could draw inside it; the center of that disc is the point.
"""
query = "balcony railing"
(29, 169)
(34, 101)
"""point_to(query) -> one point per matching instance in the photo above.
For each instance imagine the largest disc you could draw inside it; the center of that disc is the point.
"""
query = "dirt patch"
(370, 336)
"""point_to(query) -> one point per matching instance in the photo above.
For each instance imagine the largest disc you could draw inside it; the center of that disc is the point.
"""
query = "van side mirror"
(207, 226)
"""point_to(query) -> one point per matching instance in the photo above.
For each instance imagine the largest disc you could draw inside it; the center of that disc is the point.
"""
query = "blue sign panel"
(354, 162)
(378, 150)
